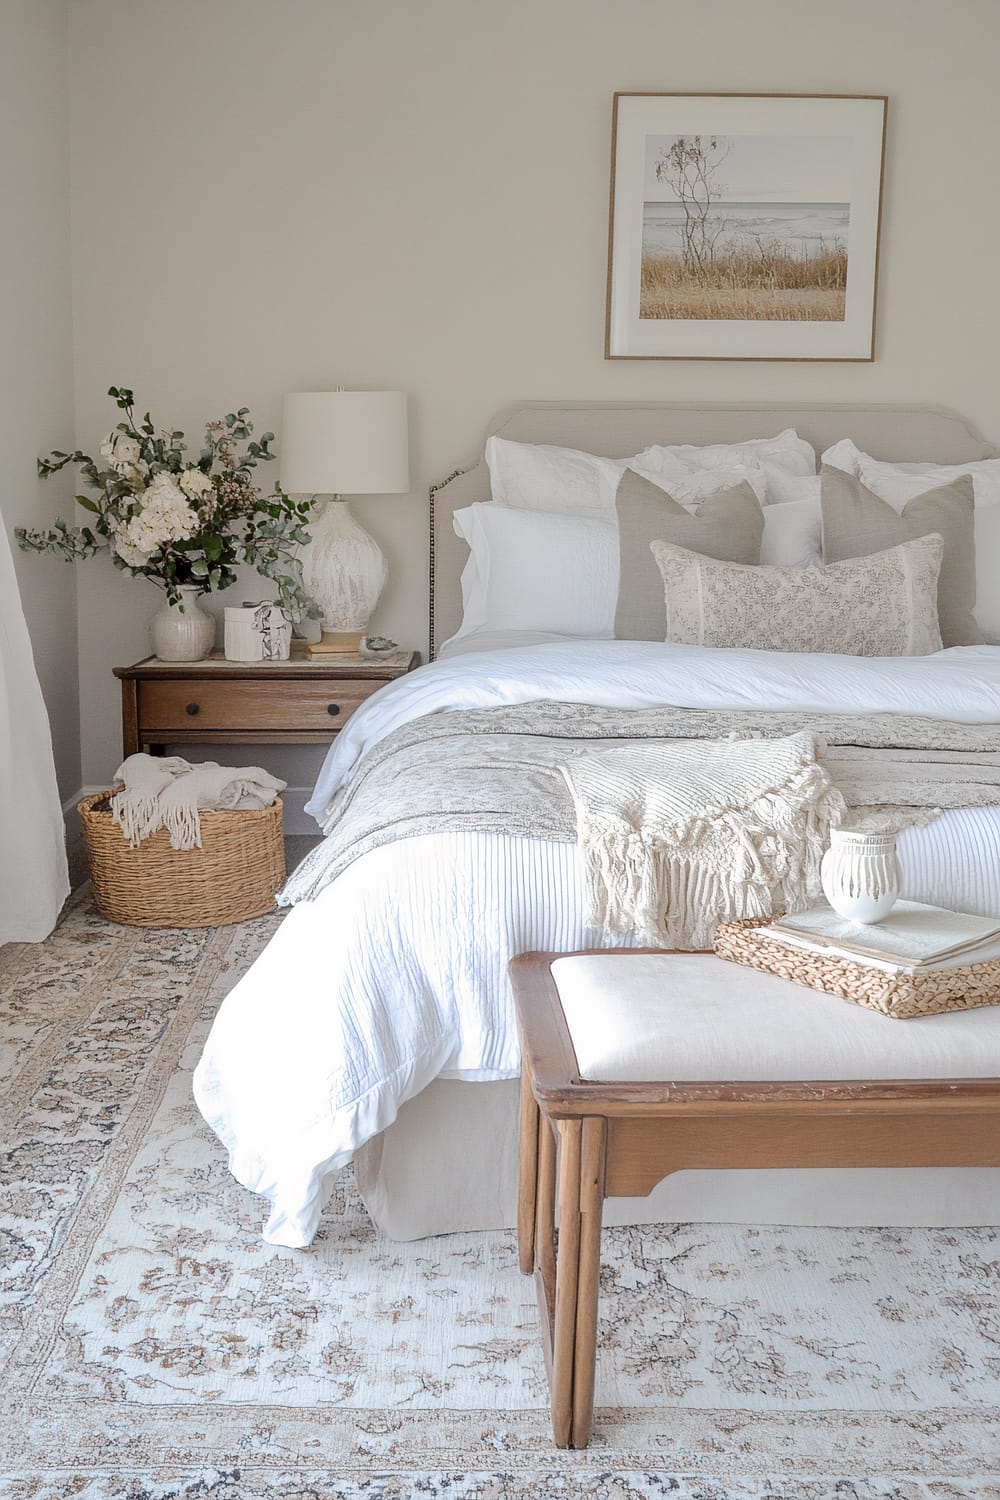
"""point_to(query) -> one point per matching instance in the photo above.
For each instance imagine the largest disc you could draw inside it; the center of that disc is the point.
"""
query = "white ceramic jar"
(860, 875)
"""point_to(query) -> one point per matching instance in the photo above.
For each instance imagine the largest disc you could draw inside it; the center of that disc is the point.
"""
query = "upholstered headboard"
(617, 430)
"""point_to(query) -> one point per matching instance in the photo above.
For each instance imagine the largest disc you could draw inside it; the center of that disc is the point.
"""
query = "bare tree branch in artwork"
(690, 167)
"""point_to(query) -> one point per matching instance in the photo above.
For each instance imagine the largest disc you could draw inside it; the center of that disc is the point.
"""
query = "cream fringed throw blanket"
(676, 836)
(164, 791)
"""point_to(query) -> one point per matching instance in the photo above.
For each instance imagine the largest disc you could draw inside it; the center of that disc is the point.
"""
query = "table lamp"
(333, 444)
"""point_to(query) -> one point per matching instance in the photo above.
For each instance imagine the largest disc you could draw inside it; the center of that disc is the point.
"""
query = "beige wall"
(36, 410)
(271, 195)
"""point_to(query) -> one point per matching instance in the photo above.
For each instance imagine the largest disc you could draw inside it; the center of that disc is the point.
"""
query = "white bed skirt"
(449, 1163)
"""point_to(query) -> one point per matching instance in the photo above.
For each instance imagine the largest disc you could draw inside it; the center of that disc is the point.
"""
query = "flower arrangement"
(159, 515)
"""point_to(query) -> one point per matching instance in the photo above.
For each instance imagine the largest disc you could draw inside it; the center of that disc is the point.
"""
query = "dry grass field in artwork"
(769, 283)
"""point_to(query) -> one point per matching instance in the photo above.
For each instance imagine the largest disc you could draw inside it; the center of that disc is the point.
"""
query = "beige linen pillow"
(856, 522)
(883, 605)
(728, 526)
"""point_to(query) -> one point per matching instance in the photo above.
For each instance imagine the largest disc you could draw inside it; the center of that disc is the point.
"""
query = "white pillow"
(690, 486)
(786, 454)
(560, 481)
(785, 489)
(529, 570)
(844, 455)
(793, 533)
(899, 483)
(567, 481)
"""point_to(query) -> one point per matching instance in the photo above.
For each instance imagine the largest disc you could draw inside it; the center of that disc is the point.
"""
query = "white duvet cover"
(396, 973)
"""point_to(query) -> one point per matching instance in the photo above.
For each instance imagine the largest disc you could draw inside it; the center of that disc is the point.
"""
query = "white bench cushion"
(661, 1017)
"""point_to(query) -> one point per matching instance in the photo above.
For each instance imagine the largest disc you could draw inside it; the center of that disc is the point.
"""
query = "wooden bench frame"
(584, 1141)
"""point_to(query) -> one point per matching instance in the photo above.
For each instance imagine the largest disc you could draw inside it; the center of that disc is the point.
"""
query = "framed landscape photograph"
(744, 226)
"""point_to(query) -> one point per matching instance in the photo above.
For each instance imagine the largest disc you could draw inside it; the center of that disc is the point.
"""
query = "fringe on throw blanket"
(674, 837)
(167, 792)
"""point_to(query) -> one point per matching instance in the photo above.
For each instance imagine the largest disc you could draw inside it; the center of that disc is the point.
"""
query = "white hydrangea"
(121, 451)
(194, 483)
(165, 517)
(133, 555)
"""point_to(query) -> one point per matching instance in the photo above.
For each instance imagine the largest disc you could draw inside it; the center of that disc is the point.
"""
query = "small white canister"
(258, 632)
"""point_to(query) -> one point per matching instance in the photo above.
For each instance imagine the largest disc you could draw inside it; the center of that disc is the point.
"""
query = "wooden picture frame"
(744, 226)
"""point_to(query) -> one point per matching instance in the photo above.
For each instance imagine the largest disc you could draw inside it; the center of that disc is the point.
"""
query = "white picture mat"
(639, 115)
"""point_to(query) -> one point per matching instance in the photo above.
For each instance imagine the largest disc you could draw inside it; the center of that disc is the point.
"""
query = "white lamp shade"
(344, 443)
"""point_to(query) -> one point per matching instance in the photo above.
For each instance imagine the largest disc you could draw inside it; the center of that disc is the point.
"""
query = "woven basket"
(900, 996)
(234, 875)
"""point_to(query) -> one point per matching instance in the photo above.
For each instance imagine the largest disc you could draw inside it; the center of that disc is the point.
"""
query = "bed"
(361, 1032)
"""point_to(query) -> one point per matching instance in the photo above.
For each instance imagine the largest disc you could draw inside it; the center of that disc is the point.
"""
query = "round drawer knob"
(191, 709)
(333, 709)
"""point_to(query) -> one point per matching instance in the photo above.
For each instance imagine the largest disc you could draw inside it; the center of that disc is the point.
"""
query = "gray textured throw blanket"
(498, 770)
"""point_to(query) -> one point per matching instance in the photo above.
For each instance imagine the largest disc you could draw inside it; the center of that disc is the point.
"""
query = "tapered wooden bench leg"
(527, 1186)
(593, 1147)
(545, 1215)
(567, 1272)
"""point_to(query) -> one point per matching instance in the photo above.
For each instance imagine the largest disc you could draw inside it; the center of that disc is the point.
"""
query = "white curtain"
(34, 881)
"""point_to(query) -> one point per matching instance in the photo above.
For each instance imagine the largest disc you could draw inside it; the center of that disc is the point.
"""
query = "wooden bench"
(773, 1075)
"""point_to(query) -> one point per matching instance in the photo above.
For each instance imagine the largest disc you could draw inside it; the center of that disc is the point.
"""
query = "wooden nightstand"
(296, 702)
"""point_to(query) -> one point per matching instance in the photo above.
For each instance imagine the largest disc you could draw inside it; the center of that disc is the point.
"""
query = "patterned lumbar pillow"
(857, 522)
(728, 525)
(883, 605)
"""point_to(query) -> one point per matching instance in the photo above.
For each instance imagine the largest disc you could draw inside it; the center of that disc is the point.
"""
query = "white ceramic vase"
(861, 875)
(183, 636)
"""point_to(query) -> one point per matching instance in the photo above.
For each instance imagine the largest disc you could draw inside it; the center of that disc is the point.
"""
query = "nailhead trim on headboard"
(455, 474)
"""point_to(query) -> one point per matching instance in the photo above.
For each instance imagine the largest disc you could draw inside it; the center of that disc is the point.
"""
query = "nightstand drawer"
(264, 705)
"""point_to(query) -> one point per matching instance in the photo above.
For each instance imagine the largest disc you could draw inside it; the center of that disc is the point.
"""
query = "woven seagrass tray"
(233, 876)
(900, 996)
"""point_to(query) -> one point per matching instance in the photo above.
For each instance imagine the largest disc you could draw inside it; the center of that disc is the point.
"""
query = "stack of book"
(912, 939)
(920, 961)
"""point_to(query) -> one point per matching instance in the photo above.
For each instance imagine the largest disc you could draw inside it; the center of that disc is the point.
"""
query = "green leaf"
(213, 548)
(199, 568)
(88, 504)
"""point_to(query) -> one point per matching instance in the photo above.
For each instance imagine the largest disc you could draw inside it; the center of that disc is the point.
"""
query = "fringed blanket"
(501, 770)
(165, 791)
(675, 836)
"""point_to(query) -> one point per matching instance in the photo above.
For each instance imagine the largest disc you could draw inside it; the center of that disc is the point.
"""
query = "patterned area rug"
(153, 1348)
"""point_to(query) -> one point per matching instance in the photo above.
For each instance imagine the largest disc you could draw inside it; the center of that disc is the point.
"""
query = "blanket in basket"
(166, 791)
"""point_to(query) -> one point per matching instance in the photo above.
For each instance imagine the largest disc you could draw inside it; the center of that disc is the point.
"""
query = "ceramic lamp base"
(335, 643)
(344, 571)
